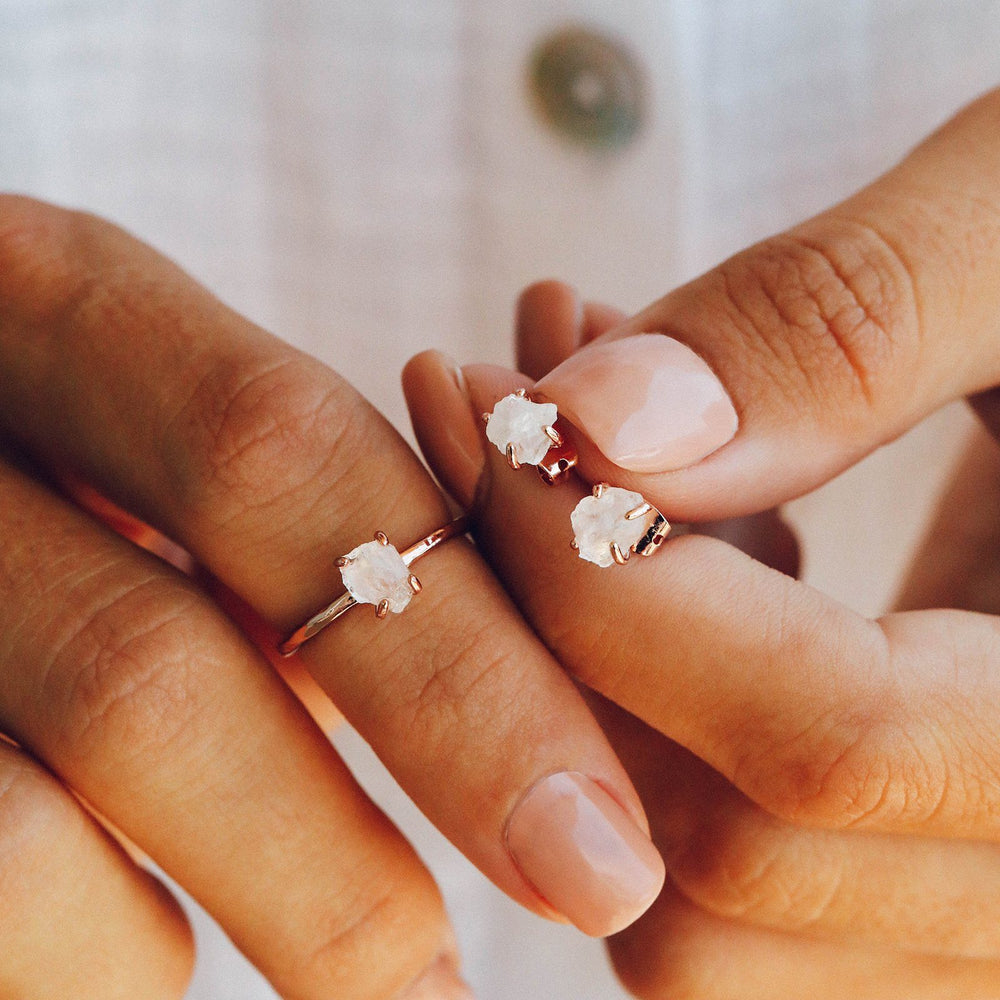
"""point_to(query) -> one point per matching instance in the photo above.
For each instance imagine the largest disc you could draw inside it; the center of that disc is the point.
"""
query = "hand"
(121, 680)
(823, 786)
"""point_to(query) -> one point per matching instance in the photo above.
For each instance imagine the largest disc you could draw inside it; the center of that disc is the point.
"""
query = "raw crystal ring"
(612, 523)
(525, 431)
(375, 573)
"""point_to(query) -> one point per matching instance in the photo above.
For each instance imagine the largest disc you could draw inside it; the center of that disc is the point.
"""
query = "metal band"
(345, 602)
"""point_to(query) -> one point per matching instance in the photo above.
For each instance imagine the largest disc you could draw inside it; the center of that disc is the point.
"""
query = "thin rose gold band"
(345, 602)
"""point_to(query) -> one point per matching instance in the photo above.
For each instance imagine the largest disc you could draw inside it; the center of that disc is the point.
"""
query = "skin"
(822, 786)
(133, 398)
(809, 815)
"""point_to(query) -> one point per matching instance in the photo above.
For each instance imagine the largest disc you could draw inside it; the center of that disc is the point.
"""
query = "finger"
(765, 537)
(260, 632)
(598, 319)
(958, 562)
(547, 326)
(678, 950)
(267, 467)
(119, 674)
(819, 715)
(734, 860)
(551, 323)
(78, 917)
(790, 361)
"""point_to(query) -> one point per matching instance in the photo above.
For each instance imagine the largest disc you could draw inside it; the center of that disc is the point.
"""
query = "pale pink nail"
(440, 982)
(584, 854)
(648, 401)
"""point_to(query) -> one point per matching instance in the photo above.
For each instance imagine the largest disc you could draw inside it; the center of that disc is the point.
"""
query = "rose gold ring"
(375, 573)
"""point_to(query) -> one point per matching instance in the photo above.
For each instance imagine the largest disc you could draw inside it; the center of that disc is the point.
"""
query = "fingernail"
(441, 981)
(449, 438)
(648, 402)
(584, 854)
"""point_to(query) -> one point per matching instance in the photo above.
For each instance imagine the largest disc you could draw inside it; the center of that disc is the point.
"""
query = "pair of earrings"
(610, 524)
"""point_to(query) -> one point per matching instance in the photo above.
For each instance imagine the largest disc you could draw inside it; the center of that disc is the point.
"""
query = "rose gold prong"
(616, 553)
(415, 585)
(521, 393)
(554, 436)
(381, 538)
(598, 490)
(486, 418)
(643, 508)
(574, 545)
(342, 561)
(512, 457)
(382, 610)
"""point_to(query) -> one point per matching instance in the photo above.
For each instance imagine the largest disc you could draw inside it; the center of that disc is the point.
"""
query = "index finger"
(267, 467)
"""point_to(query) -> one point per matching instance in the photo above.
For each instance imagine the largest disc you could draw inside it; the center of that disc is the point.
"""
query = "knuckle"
(259, 430)
(345, 955)
(117, 683)
(837, 776)
(743, 866)
(56, 272)
(829, 311)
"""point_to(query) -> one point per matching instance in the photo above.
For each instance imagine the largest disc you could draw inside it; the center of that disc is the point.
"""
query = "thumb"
(789, 362)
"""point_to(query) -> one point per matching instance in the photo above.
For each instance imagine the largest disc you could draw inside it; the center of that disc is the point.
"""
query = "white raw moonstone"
(599, 521)
(375, 573)
(521, 422)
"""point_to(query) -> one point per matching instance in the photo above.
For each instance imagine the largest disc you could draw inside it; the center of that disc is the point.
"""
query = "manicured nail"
(647, 401)
(440, 982)
(584, 854)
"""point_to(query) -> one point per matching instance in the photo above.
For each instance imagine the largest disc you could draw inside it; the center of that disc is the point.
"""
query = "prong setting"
(519, 426)
(612, 523)
(616, 553)
(375, 573)
(415, 585)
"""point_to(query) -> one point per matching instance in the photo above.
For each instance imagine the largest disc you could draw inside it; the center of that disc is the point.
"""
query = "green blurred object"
(589, 87)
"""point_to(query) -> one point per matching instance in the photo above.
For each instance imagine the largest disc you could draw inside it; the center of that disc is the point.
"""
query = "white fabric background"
(368, 179)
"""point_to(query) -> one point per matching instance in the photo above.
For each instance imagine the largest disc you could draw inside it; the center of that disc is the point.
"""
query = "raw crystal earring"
(612, 523)
(525, 432)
